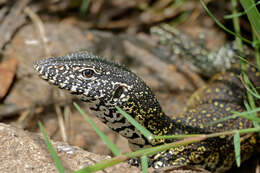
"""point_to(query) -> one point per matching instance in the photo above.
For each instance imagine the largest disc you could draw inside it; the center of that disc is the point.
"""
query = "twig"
(40, 27)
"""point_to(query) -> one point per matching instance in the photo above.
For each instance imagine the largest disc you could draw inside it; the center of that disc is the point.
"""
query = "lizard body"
(104, 85)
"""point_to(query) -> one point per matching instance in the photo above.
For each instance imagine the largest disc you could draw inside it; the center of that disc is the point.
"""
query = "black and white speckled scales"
(104, 85)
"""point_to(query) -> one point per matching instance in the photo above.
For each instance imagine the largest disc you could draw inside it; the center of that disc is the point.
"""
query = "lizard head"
(88, 76)
(104, 85)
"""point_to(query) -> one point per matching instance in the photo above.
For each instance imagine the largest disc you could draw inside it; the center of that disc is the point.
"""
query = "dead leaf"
(7, 71)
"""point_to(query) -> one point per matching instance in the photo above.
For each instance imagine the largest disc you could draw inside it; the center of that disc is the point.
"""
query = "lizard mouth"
(52, 71)
(39, 67)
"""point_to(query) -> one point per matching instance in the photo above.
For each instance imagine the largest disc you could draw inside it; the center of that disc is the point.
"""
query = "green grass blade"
(177, 136)
(252, 13)
(249, 112)
(241, 13)
(241, 131)
(237, 148)
(102, 164)
(144, 163)
(222, 26)
(236, 114)
(144, 131)
(151, 151)
(256, 45)
(248, 116)
(109, 143)
(51, 150)
(255, 123)
(84, 7)
(234, 15)
(147, 152)
(221, 120)
(236, 26)
(230, 132)
(253, 92)
(248, 62)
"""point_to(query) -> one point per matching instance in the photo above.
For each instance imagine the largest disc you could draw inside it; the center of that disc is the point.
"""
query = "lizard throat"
(156, 121)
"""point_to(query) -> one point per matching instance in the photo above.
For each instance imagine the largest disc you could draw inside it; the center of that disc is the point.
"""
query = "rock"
(22, 151)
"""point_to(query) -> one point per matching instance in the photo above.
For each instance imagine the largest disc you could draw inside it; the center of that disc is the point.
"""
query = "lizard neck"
(150, 115)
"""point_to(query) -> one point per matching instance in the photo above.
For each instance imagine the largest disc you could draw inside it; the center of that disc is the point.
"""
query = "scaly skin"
(200, 59)
(104, 85)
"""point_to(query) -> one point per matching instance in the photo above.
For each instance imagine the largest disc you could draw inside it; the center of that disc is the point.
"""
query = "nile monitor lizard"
(103, 85)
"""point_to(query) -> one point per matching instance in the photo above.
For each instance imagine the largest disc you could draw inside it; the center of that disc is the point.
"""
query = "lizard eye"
(88, 73)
